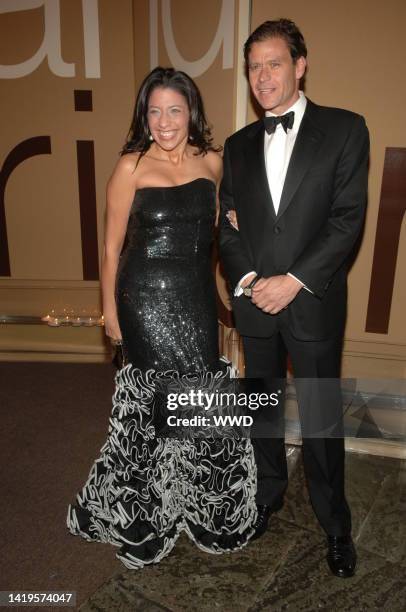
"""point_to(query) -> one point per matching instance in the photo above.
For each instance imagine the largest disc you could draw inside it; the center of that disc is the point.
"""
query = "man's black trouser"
(320, 412)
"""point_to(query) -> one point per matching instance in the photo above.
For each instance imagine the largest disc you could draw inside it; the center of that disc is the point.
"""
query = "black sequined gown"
(165, 292)
(144, 490)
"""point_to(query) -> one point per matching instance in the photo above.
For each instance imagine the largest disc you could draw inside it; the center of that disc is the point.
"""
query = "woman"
(159, 301)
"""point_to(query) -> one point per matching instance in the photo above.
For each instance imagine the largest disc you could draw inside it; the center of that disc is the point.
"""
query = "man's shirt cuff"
(238, 290)
(299, 281)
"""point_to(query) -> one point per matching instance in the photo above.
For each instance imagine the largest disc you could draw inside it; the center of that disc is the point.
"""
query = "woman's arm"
(120, 194)
(215, 163)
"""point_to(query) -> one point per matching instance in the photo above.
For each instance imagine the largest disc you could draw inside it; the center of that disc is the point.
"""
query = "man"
(297, 182)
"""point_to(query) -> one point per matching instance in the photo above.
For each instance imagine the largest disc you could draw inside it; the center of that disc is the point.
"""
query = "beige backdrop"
(355, 61)
(42, 200)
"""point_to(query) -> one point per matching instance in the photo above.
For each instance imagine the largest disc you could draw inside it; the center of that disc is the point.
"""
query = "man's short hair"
(280, 28)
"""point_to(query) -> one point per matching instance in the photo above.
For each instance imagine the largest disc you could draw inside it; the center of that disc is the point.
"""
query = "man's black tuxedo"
(320, 216)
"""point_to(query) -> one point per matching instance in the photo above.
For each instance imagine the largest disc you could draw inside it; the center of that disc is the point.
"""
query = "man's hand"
(275, 293)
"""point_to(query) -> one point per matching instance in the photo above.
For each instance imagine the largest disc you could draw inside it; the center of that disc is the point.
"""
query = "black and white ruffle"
(144, 490)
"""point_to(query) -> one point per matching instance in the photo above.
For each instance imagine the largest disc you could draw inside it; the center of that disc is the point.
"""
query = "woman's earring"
(151, 137)
(190, 137)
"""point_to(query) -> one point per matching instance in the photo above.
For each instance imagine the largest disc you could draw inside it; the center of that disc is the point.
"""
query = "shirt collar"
(298, 108)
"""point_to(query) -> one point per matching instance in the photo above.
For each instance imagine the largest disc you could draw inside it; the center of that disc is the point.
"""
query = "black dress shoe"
(341, 556)
(261, 524)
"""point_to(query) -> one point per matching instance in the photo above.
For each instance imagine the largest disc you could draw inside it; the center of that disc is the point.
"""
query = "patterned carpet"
(286, 569)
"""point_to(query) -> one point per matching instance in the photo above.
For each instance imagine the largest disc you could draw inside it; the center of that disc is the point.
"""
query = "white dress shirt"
(278, 149)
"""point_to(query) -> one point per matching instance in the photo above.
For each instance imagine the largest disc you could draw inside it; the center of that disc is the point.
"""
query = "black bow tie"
(285, 120)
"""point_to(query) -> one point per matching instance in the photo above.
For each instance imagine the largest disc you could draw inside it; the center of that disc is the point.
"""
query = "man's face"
(273, 76)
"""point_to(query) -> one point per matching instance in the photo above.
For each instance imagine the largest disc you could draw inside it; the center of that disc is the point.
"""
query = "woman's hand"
(112, 328)
(232, 217)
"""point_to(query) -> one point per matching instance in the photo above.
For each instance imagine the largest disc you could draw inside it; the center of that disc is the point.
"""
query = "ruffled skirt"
(144, 490)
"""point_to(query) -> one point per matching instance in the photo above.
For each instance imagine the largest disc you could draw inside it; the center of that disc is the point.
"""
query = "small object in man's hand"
(247, 291)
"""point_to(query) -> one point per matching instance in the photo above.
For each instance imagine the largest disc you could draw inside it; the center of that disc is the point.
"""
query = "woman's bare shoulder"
(125, 169)
(127, 163)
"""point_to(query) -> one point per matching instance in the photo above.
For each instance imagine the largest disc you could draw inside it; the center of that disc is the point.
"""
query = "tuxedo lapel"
(306, 146)
(255, 163)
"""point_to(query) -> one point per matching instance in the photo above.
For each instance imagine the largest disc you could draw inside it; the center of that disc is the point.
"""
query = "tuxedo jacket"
(320, 217)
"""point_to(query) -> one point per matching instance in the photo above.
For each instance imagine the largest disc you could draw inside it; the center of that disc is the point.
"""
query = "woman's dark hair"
(199, 130)
(280, 28)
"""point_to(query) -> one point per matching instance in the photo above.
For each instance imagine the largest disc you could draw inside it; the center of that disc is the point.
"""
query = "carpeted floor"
(54, 419)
